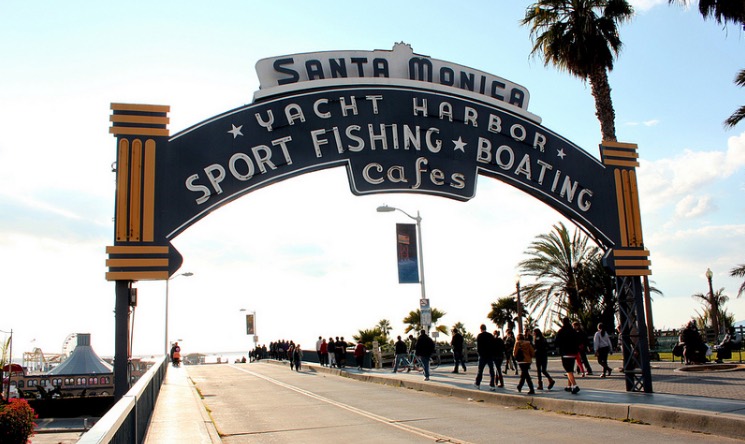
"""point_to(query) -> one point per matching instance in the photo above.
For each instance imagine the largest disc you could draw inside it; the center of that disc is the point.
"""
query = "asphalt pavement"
(708, 401)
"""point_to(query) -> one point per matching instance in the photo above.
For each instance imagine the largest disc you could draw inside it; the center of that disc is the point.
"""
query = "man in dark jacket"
(567, 341)
(400, 355)
(485, 348)
(425, 346)
(457, 343)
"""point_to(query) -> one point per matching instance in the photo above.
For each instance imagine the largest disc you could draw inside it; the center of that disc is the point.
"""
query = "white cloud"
(691, 206)
(646, 5)
(650, 122)
(666, 181)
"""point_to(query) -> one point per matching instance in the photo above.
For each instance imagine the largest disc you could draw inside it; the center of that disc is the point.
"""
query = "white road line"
(382, 419)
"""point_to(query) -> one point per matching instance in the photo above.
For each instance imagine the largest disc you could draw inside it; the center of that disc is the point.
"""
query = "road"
(266, 403)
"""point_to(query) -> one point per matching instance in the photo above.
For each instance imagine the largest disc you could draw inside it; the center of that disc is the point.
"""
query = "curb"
(720, 424)
(209, 425)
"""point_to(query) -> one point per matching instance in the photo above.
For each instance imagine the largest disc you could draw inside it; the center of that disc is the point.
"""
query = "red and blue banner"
(407, 254)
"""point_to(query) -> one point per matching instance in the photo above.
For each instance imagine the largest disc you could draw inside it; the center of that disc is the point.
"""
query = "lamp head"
(709, 273)
(187, 274)
(385, 209)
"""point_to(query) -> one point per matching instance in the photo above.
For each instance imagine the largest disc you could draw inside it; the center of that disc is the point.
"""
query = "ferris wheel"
(69, 344)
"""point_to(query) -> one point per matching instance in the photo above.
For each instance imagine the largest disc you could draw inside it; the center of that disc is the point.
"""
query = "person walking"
(341, 352)
(523, 353)
(331, 347)
(297, 356)
(584, 347)
(318, 349)
(324, 353)
(601, 343)
(401, 352)
(567, 341)
(498, 358)
(540, 344)
(509, 345)
(457, 344)
(175, 354)
(485, 349)
(425, 346)
(291, 354)
(359, 354)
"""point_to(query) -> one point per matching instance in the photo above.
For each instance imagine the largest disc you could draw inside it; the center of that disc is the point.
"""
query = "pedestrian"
(331, 347)
(498, 358)
(400, 349)
(359, 354)
(341, 349)
(567, 341)
(694, 347)
(324, 353)
(297, 356)
(584, 347)
(318, 349)
(603, 346)
(485, 349)
(425, 346)
(523, 353)
(540, 344)
(724, 349)
(175, 354)
(291, 354)
(457, 344)
(509, 345)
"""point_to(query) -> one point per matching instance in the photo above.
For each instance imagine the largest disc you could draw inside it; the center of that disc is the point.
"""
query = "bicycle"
(411, 361)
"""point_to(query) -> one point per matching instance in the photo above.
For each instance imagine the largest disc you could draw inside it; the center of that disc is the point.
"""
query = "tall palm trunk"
(603, 103)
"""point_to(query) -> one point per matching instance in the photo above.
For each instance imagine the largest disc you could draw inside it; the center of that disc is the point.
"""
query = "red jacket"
(359, 350)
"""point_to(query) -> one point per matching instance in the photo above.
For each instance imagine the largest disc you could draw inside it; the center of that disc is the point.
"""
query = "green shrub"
(16, 422)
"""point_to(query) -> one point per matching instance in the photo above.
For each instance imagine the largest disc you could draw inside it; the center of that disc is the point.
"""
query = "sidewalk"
(180, 415)
(707, 401)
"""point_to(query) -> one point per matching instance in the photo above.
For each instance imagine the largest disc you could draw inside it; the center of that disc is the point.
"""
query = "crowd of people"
(518, 353)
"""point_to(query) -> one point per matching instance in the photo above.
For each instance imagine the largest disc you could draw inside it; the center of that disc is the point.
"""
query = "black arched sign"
(397, 121)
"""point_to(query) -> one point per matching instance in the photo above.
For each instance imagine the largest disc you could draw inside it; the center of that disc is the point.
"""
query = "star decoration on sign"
(460, 145)
(236, 131)
(561, 153)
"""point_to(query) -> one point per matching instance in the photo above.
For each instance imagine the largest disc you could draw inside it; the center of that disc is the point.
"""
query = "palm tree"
(413, 321)
(368, 336)
(581, 37)
(504, 312)
(384, 325)
(722, 11)
(738, 115)
(714, 304)
(739, 271)
(556, 261)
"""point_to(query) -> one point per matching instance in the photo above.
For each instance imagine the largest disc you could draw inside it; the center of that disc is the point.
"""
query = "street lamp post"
(418, 219)
(165, 336)
(714, 304)
(519, 308)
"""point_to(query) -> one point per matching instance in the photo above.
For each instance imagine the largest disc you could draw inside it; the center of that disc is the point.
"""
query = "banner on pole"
(250, 324)
(408, 259)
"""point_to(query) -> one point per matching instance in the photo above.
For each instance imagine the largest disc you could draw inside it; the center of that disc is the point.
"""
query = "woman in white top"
(603, 346)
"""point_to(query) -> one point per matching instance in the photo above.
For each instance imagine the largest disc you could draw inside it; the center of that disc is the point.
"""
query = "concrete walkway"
(180, 416)
(708, 402)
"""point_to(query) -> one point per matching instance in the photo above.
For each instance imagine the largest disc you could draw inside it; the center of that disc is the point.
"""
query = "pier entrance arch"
(398, 122)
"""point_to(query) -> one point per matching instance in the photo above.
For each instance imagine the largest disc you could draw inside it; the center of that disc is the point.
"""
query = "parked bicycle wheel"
(434, 362)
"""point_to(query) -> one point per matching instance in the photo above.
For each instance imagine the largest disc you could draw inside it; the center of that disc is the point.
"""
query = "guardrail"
(126, 422)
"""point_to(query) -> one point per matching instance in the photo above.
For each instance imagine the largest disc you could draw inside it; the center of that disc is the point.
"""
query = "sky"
(306, 255)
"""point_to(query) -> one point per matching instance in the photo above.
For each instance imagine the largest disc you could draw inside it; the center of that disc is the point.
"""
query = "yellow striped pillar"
(630, 258)
(140, 130)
